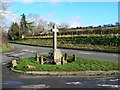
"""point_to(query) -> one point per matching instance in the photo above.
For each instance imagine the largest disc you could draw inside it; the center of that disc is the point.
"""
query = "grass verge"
(81, 64)
(5, 48)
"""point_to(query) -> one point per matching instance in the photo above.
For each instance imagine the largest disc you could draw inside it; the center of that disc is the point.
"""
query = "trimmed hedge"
(109, 43)
(105, 40)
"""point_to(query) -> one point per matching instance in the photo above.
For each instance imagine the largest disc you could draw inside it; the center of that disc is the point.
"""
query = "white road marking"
(4, 63)
(17, 54)
(106, 85)
(9, 53)
(84, 53)
(76, 83)
(43, 53)
(99, 54)
(35, 86)
(26, 50)
(115, 55)
(114, 79)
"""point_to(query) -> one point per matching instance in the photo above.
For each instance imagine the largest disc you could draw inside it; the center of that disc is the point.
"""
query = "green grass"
(81, 64)
(5, 48)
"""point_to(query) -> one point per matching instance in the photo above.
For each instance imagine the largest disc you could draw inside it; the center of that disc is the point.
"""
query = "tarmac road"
(17, 80)
(27, 51)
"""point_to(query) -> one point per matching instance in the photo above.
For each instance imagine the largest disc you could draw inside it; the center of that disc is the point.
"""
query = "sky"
(73, 13)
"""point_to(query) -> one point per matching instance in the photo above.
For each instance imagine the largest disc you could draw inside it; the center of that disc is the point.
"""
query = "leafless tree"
(39, 23)
(4, 5)
(64, 26)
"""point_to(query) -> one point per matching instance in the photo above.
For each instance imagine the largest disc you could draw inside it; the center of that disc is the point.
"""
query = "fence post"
(65, 56)
(74, 58)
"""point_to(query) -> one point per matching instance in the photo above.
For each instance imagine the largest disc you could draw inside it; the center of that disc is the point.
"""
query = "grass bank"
(107, 43)
(81, 64)
(5, 48)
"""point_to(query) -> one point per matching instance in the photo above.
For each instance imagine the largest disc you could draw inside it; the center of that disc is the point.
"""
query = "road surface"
(27, 51)
(17, 80)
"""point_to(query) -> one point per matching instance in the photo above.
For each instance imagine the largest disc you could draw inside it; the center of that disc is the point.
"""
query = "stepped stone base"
(57, 56)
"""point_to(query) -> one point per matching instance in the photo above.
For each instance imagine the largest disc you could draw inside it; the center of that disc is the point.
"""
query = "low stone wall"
(67, 73)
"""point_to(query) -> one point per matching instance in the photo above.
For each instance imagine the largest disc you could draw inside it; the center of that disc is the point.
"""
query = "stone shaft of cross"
(56, 52)
(55, 30)
(55, 41)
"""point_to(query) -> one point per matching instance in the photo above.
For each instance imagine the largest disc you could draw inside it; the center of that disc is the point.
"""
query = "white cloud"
(50, 15)
(55, 0)
(50, 4)
(54, 3)
(85, 25)
(10, 20)
(77, 21)
(83, 0)
(27, 1)
(37, 18)
(74, 21)
(64, 0)
(75, 24)
(40, 5)
(9, 17)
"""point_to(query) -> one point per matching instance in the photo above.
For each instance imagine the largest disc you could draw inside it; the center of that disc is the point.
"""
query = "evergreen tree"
(25, 26)
(17, 30)
(14, 31)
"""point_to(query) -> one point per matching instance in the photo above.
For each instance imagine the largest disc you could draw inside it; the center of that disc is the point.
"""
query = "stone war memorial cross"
(57, 55)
